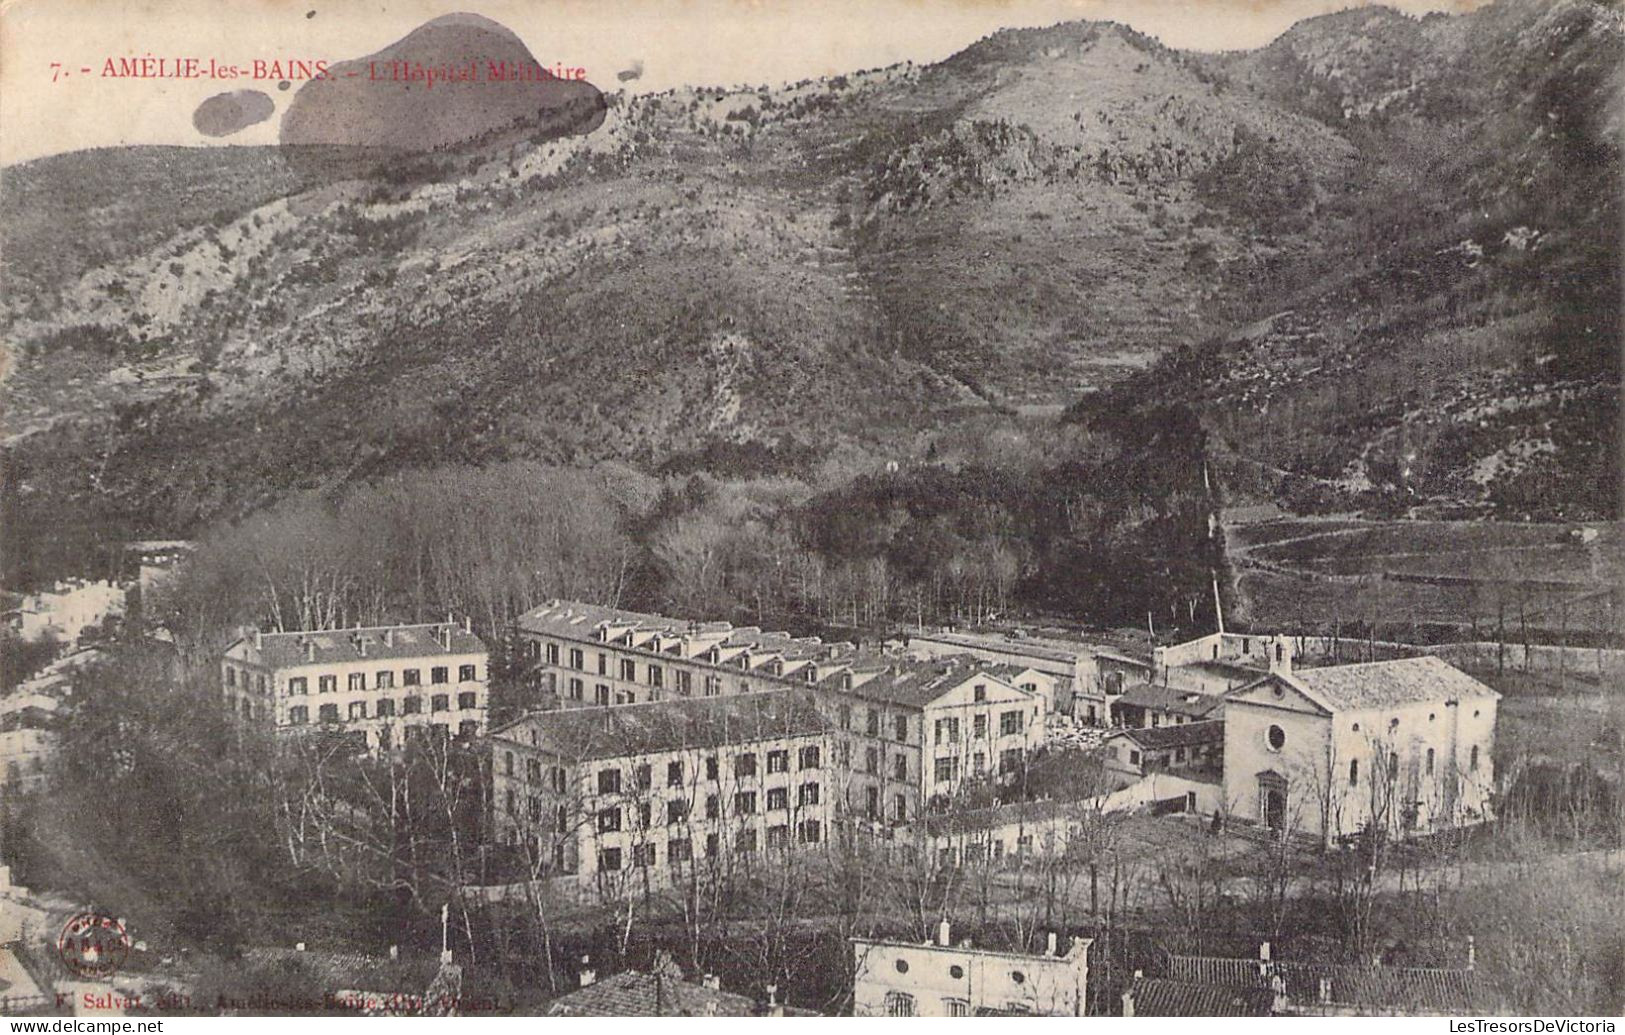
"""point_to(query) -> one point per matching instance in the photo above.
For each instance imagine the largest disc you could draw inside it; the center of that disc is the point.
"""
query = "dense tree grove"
(1112, 530)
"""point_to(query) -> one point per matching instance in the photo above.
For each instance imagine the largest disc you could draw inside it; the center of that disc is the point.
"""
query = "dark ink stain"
(228, 113)
(379, 102)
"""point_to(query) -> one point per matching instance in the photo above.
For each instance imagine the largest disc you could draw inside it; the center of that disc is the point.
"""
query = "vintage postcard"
(872, 508)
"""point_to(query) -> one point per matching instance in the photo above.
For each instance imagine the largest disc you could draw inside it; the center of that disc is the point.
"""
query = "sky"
(48, 105)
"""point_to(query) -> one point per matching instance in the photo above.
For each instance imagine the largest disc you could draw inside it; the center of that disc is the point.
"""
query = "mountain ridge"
(853, 266)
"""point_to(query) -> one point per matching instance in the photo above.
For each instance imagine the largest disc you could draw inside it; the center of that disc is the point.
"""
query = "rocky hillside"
(1377, 252)
(1457, 349)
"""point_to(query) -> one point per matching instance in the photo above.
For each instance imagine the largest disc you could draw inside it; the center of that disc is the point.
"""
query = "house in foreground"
(1216, 986)
(663, 991)
(941, 979)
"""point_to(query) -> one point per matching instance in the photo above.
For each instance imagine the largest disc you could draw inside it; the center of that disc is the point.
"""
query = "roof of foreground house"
(1422, 991)
(1167, 997)
(661, 992)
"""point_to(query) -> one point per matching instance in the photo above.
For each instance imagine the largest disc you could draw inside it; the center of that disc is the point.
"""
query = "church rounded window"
(1276, 738)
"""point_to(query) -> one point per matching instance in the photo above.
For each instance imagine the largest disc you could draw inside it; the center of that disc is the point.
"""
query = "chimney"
(394, 952)
(259, 640)
(389, 637)
(310, 650)
(1263, 952)
(1280, 656)
(1472, 953)
(712, 982)
(588, 975)
(468, 625)
(942, 933)
(1281, 1004)
(1325, 990)
(1052, 943)
(445, 638)
(361, 644)
(298, 946)
(774, 1007)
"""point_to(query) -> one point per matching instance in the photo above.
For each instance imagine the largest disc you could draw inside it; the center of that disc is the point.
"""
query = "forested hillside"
(1373, 265)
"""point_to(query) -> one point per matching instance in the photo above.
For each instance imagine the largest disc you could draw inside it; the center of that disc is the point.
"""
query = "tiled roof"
(916, 683)
(1413, 990)
(571, 619)
(1004, 643)
(1379, 684)
(1169, 699)
(1008, 671)
(662, 993)
(880, 677)
(575, 619)
(690, 722)
(1165, 997)
(632, 993)
(1155, 738)
(327, 646)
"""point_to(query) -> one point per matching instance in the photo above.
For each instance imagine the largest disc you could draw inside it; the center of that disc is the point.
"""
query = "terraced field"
(1313, 572)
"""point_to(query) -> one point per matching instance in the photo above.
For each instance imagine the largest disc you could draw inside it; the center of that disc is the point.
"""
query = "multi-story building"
(1087, 676)
(905, 730)
(911, 735)
(1405, 744)
(1219, 662)
(380, 685)
(639, 796)
(65, 611)
(914, 979)
(1151, 705)
(1135, 752)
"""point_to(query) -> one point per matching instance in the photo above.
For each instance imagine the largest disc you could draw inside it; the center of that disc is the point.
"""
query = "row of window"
(384, 708)
(744, 804)
(946, 769)
(231, 679)
(680, 850)
(947, 729)
(1393, 765)
(382, 680)
(744, 765)
(1196, 754)
(655, 674)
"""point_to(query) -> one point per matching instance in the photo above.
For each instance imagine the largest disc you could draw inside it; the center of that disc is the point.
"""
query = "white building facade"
(1406, 745)
(941, 979)
(381, 685)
